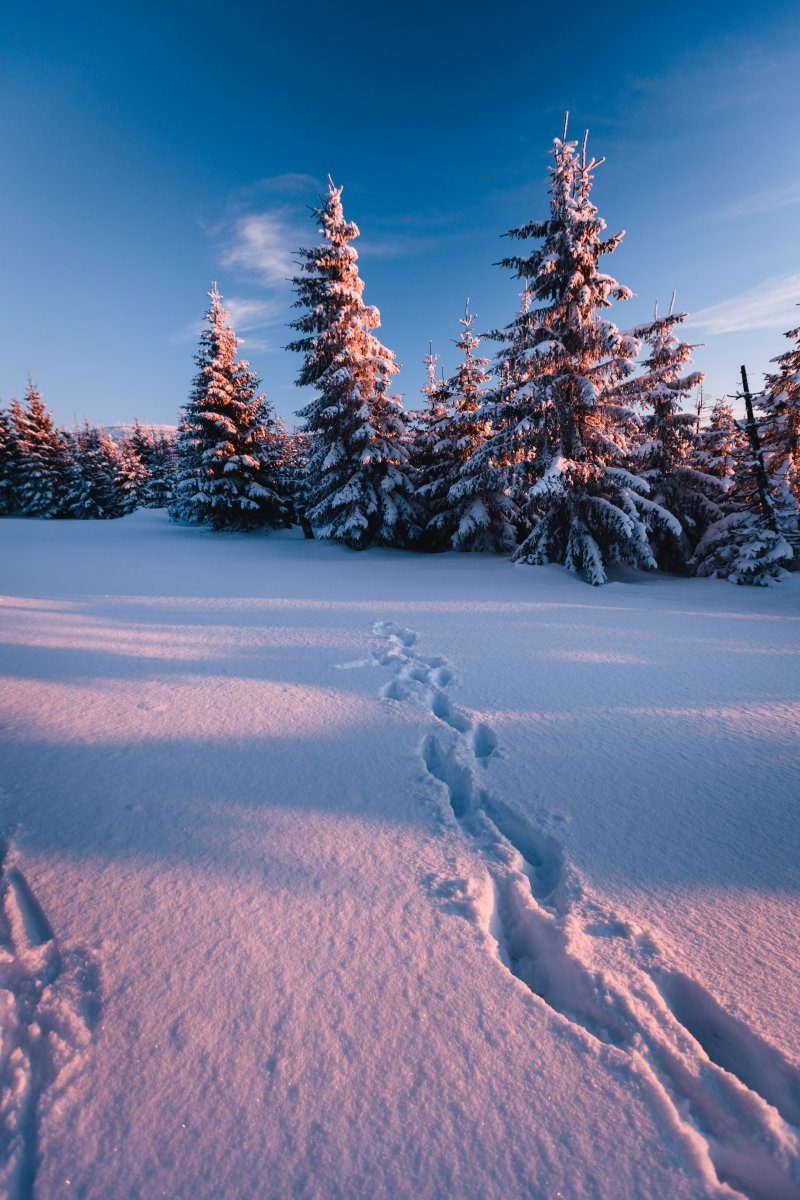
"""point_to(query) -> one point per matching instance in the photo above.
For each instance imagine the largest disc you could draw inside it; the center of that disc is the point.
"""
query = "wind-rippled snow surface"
(386, 875)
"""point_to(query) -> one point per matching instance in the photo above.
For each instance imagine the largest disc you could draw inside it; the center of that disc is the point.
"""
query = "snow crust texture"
(49, 1003)
(734, 1096)
(405, 877)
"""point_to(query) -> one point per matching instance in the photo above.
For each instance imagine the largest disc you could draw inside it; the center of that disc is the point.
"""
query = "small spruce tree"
(429, 468)
(44, 457)
(780, 435)
(225, 450)
(9, 465)
(475, 511)
(663, 450)
(744, 545)
(98, 483)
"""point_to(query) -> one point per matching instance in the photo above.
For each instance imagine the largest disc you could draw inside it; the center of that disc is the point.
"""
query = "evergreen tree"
(138, 443)
(780, 435)
(474, 510)
(130, 475)
(585, 509)
(44, 457)
(155, 450)
(297, 447)
(663, 450)
(741, 546)
(507, 411)
(100, 482)
(226, 439)
(429, 469)
(717, 446)
(359, 489)
(9, 465)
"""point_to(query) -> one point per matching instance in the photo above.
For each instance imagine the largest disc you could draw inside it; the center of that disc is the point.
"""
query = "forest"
(576, 443)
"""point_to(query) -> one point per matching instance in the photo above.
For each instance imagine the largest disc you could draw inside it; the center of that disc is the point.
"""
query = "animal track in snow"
(734, 1096)
(49, 1003)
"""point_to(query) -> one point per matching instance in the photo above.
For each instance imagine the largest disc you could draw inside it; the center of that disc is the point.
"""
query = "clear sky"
(151, 148)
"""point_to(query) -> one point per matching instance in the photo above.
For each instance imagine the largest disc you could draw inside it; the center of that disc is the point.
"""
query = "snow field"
(324, 930)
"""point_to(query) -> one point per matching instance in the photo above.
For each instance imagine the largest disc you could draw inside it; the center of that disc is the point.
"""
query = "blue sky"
(149, 149)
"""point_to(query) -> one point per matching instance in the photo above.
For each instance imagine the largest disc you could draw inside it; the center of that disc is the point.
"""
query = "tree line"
(577, 447)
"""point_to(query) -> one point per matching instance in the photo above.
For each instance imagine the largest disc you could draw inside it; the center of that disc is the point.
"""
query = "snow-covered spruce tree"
(359, 489)
(225, 445)
(664, 451)
(155, 450)
(780, 435)
(506, 410)
(44, 457)
(429, 470)
(474, 510)
(716, 446)
(137, 443)
(9, 464)
(586, 509)
(296, 449)
(742, 546)
(101, 479)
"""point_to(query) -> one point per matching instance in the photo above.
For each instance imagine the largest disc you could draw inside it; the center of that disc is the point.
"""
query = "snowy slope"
(335, 875)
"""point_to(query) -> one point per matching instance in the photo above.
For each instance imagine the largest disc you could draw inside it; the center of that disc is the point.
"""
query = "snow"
(391, 875)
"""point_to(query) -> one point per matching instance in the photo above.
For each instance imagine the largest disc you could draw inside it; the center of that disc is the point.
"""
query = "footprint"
(49, 1003)
(484, 740)
(716, 1073)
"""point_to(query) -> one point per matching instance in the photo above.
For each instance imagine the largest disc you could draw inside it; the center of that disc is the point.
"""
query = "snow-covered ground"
(382, 875)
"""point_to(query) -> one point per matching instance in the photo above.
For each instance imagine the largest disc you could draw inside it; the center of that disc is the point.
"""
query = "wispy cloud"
(769, 200)
(290, 183)
(263, 244)
(246, 313)
(770, 305)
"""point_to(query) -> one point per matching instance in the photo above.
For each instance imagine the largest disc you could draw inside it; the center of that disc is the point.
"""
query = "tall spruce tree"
(9, 465)
(44, 457)
(475, 511)
(359, 489)
(780, 435)
(586, 508)
(225, 450)
(663, 451)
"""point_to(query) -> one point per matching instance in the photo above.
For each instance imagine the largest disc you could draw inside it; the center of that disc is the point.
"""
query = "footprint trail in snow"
(732, 1096)
(49, 1002)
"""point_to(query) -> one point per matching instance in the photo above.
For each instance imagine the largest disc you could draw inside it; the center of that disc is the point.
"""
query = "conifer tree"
(780, 434)
(717, 446)
(101, 479)
(297, 447)
(44, 457)
(225, 448)
(663, 450)
(743, 545)
(359, 489)
(474, 511)
(506, 410)
(155, 450)
(586, 509)
(9, 463)
(138, 443)
(130, 476)
(429, 468)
